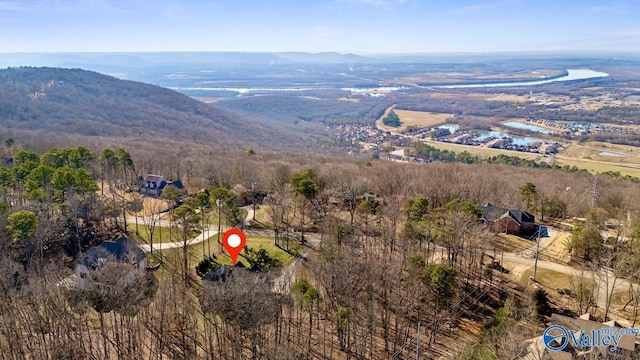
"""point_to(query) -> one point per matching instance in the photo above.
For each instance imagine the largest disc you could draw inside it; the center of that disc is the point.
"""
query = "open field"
(597, 167)
(626, 149)
(593, 151)
(597, 164)
(419, 119)
(482, 151)
(507, 98)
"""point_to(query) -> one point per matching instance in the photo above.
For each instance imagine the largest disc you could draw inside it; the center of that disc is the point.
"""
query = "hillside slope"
(74, 101)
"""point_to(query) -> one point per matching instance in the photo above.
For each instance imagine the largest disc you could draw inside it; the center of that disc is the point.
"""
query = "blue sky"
(360, 26)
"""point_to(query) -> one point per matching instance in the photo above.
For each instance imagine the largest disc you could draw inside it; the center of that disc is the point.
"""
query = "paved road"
(211, 231)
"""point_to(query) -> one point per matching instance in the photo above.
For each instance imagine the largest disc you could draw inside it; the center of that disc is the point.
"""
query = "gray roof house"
(122, 250)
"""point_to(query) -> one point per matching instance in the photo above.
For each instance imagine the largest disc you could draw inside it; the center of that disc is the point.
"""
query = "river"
(572, 74)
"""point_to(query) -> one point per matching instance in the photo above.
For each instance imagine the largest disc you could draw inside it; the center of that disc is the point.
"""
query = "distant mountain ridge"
(150, 60)
(74, 101)
(117, 61)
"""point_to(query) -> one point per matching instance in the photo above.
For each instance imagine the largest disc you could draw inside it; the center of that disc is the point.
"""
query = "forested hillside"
(294, 109)
(412, 253)
(73, 101)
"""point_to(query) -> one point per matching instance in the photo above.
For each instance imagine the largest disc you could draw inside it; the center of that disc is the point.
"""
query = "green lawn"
(212, 217)
(262, 214)
(160, 233)
(596, 167)
(255, 242)
(554, 279)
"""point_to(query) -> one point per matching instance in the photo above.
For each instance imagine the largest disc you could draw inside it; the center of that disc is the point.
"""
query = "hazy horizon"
(367, 27)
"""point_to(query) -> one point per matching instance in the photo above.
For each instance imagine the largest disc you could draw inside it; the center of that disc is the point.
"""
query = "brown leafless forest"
(413, 256)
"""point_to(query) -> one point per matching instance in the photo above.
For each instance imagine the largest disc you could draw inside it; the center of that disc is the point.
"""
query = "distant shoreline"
(496, 81)
(572, 74)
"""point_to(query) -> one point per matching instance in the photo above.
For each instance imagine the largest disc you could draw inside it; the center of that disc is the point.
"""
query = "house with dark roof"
(507, 221)
(224, 272)
(153, 185)
(121, 250)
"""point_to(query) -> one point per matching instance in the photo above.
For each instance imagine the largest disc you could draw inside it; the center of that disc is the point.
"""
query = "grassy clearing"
(594, 165)
(212, 217)
(197, 252)
(511, 243)
(628, 149)
(482, 151)
(162, 234)
(262, 214)
(420, 119)
(628, 155)
(553, 279)
(508, 98)
(586, 156)
(598, 167)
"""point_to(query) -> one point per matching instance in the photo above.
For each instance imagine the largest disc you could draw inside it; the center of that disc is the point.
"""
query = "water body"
(517, 140)
(484, 134)
(523, 126)
(451, 127)
(573, 74)
(243, 90)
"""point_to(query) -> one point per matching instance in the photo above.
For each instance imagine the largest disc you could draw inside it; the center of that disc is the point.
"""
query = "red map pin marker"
(234, 241)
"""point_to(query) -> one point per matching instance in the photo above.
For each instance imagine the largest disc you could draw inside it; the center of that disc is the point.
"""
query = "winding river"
(572, 74)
